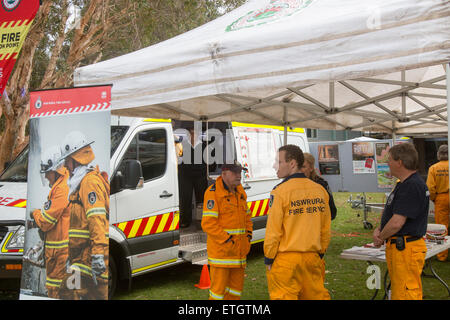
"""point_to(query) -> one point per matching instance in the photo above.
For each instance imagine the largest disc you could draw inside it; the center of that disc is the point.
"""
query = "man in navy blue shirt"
(404, 223)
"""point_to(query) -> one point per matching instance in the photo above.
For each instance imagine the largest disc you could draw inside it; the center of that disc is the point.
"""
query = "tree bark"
(16, 106)
(102, 23)
(56, 51)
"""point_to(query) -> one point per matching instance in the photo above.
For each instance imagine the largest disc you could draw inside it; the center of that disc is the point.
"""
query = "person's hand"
(98, 264)
(268, 262)
(377, 241)
(31, 224)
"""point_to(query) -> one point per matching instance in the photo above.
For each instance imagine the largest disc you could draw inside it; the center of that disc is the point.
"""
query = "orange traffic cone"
(205, 281)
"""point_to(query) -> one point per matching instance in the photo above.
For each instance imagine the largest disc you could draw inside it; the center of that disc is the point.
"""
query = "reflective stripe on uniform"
(95, 212)
(53, 282)
(57, 244)
(233, 292)
(103, 276)
(213, 214)
(232, 262)
(82, 268)
(215, 295)
(235, 231)
(77, 233)
(48, 218)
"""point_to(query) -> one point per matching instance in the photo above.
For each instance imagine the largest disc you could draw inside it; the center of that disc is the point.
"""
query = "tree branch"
(56, 51)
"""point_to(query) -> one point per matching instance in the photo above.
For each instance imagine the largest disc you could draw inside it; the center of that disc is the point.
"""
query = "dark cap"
(235, 167)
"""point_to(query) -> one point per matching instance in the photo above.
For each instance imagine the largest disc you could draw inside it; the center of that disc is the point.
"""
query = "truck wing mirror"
(133, 177)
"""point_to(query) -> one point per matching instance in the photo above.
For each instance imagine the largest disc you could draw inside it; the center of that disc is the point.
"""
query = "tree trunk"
(16, 107)
(50, 71)
(10, 142)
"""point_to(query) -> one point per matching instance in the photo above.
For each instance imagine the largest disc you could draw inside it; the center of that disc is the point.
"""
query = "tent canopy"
(374, 65)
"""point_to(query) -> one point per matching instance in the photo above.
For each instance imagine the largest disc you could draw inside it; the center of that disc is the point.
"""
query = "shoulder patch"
(47, 205)
(213, 187)
(271, 200)
(210, 204)
(92, 197)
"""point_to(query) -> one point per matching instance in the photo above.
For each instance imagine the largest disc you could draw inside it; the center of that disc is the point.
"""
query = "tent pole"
(394, 135)
(447, 71)
(285, 126)
(207, 149)
(403, 95)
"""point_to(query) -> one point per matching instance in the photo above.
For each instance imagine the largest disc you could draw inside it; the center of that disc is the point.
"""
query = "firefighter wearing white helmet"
(53, 219)
(89, 210)
(51, 161)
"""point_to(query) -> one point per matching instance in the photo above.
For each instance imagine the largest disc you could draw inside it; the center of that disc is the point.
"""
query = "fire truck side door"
(148, 214)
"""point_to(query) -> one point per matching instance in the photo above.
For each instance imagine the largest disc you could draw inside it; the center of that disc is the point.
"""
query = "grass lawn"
(345, 279)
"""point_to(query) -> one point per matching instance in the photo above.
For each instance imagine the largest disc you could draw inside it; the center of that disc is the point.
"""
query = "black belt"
(409, 239)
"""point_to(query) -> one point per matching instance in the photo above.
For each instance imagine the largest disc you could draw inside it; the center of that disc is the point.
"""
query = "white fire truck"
(145, 233)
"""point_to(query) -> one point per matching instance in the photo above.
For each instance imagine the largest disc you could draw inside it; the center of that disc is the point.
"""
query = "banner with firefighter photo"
(67, 218)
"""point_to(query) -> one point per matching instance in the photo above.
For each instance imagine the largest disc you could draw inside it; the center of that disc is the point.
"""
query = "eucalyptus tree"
(67, 34)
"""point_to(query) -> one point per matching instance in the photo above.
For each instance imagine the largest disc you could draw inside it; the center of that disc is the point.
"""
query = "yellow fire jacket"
(89, 226)
(54, 219)
(226, 214)
(299, 218)
(437, 180)
(54, 216)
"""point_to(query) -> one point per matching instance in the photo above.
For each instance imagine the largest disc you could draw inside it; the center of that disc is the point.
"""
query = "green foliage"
(139, 23)
(151, 22)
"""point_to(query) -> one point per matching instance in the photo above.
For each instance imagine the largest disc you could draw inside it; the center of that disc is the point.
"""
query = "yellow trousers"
(441, 216)
(226, 283)
(297, 276)
(405, 268)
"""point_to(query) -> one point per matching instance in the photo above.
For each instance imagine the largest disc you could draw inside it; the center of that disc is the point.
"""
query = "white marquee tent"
(376, 65)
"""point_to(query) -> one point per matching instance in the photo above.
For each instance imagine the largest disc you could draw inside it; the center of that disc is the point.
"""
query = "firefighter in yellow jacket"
(53, 220)
(297, 232)
(227, 222)
(89, 226)
(437, 183)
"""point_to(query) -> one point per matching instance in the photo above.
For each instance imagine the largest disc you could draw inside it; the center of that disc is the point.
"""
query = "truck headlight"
(17, 240)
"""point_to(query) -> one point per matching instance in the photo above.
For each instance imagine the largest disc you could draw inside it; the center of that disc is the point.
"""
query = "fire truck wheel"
(112, 277)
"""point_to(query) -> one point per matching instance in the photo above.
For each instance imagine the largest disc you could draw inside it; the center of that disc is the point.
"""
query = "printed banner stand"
(67, 229)
(16, 17)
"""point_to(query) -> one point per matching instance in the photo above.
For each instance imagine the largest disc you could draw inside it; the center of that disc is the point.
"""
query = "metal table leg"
(386, 287)
(435, 275)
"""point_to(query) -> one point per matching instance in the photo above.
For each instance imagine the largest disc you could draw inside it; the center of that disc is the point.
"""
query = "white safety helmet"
(73, 142)
(51, 159)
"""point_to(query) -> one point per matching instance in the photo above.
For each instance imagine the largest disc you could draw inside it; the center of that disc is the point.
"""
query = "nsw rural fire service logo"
(10, 5)
(38, 103)
(210, 204)
(275, 10)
